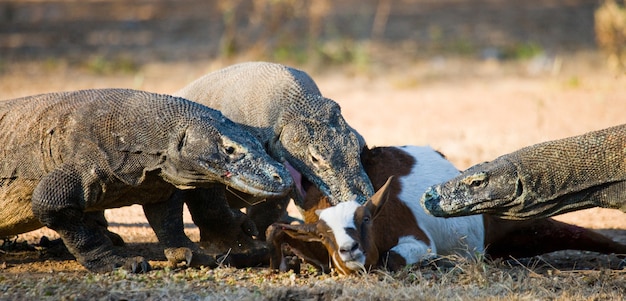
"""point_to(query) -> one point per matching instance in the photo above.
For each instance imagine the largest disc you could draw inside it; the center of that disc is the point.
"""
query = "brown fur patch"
(395, 219)
(314, 201)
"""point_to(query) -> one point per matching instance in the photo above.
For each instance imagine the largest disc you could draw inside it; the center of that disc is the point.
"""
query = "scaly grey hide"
(66, 155)
(284, 109)
(541, 180)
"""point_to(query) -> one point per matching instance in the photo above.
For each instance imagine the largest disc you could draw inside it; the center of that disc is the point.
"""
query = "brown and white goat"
(392, 230)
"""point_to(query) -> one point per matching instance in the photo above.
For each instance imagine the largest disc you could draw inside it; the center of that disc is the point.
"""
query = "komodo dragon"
(69, 154)
(285, 110)
(541, 180)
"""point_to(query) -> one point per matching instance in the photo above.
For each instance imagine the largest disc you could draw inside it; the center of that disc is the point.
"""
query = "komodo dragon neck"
(590, 168)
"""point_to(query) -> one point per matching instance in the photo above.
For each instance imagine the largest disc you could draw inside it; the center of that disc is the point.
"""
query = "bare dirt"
(472, 110)
(496, 109)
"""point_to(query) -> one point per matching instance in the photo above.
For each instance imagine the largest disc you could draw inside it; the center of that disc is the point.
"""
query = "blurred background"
(472, 78)
(118, 35)
(493, 68)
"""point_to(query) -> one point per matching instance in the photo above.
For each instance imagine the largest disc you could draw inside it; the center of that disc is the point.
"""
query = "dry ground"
(470, 110)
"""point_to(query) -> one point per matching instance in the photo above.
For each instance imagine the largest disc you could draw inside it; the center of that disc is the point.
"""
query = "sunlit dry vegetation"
(611, 31)
(465, 281)
(472, 78)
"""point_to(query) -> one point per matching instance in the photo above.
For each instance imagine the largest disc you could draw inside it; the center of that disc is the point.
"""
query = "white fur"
(459, 235)
(338, 218)
(413, 250)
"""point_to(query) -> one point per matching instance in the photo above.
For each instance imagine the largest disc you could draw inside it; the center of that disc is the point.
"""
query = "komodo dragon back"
(285, 110)
(541, 180)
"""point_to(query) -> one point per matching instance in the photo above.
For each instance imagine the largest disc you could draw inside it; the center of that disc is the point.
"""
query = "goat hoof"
(290, 263)
(189, 257)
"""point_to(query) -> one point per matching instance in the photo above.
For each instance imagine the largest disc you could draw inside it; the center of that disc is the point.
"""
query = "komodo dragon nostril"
(277, 178)
(430, 195)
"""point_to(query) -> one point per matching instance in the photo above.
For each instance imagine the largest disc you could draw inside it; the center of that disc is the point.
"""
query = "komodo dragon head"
(206, 152)
(502, 188)
(191, 145)
(321, 145)
(227, 154)
(477, 190)
(540, 180)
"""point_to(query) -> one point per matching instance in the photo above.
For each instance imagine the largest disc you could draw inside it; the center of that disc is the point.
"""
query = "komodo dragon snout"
(203, 155)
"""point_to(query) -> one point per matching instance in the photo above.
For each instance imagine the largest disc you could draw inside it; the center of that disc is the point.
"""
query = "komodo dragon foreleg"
(95, 219)
(167, 221)
(225, 231)
(98, 220)
(59, 203)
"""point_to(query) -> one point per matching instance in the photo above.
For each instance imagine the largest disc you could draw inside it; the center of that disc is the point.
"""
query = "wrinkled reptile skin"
(67, 154)
(541, 180)
(285, 110)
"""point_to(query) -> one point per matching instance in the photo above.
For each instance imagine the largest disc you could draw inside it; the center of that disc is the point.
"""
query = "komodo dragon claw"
(135, 264)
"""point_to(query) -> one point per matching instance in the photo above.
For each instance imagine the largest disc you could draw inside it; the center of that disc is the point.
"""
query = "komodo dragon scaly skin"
(69, 155)
(541, 180)
(285, 110)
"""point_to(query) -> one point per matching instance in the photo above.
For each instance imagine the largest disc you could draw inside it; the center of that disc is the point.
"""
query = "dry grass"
(471, 117)
(471, 110)
(610, 27)
(465, 281)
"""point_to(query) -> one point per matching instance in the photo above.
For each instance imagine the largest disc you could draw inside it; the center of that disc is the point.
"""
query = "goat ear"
(379, 198)
(303, 232)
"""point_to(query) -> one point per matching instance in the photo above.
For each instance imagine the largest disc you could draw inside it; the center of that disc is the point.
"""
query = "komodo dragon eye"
(476, 180)
(316, 158)
(229, 150)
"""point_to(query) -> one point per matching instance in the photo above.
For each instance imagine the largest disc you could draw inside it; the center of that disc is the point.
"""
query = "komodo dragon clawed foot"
(110, 262)
(224, 231)
(236, 245)
(106, 258)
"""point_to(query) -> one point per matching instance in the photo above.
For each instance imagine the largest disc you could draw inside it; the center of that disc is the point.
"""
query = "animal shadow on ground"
(138, 241)
(572, 260)
(15, 252)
